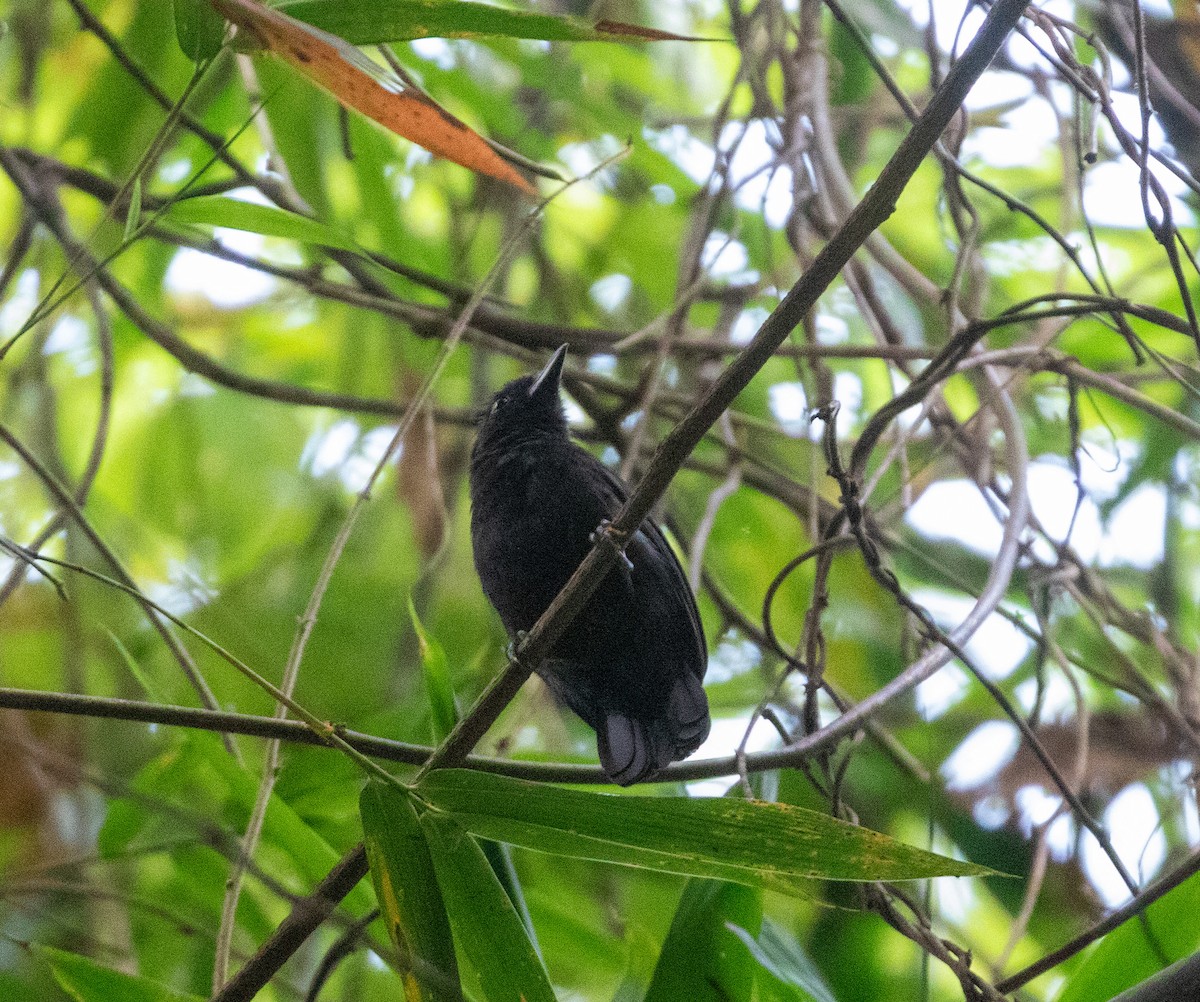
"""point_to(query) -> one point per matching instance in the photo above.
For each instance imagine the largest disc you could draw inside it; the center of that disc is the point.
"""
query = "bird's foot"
(617, 540)
(513, 650)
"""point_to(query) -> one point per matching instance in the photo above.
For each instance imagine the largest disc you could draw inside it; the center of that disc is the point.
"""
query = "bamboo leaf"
(786, 964)
(199, 29)
(369, 22)
(87, 981)
(486, 926)
(436, 671)
(776, 846)
(701, 959)
(236, 214)
(1127, 956)
(408, 894)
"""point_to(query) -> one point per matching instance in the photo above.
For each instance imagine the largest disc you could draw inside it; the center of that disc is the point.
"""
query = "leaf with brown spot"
(409, 900)
(775, 846)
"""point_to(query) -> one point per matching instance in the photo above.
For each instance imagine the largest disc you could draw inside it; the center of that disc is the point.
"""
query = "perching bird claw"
(608, 534)
(513, 650)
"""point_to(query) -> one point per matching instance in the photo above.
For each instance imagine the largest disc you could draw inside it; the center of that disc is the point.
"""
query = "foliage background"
(215, 426)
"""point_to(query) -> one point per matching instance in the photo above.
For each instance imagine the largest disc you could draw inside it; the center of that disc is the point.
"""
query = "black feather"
(632, 663)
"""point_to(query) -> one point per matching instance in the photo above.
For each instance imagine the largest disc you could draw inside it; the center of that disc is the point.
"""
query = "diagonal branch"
(877, 205)
(1137, 905)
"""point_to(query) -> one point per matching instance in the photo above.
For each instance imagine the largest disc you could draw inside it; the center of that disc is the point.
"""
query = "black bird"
(632, 662)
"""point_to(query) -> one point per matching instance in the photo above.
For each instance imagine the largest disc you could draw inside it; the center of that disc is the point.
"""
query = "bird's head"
(526, 408)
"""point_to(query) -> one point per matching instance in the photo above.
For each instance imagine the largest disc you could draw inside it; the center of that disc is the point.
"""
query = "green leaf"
(436, 671)
(198, 770)
(444, 715)
(769, 845)
(369, 22)
(234, 214)
(786, 964)
(486, 926)
(123, 822)
(87, 981)
(882, 17)
(408, 894)
(199, 29)
(1181, 980)
(1139, 948)
(702, 960)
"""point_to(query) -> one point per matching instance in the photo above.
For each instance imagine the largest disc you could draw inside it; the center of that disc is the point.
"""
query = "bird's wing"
(649, 539)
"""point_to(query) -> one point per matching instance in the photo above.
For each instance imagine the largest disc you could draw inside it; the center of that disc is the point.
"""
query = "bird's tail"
(633, 748)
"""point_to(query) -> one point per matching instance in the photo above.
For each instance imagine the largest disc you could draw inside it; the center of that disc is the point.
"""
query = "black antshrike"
(632, 662)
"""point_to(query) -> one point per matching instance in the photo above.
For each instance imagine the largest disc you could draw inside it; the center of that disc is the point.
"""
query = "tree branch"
(878, 204)
(1135, 906)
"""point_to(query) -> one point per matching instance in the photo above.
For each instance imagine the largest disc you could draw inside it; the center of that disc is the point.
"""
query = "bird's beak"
(548, 379)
